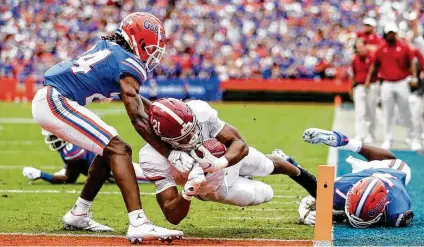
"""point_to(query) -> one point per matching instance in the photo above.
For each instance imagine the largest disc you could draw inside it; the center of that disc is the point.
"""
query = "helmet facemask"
(155, 53)
(54, 142)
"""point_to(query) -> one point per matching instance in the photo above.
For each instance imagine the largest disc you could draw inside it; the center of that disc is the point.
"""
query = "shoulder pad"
(202, 110)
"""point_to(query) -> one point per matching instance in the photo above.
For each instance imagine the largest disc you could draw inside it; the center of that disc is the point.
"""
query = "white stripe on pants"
(396, 93)
(365, 109)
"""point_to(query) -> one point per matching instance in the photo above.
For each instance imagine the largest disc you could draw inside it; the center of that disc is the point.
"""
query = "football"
(215, 147)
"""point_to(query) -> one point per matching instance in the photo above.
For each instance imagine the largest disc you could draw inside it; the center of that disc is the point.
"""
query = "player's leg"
(337, 139)
(403, 93)
(76, 124)
(415, 106)
(387, 105)
(241, 192)
(372, 101)
(360, 100)
(257, 164)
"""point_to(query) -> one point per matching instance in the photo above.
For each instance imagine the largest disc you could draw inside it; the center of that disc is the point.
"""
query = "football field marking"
(17, 121)
(251, 218)
(66, 192)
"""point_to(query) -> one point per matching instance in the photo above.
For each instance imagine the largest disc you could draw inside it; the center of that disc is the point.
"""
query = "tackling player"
(76, 161)
(373, 193)
(185, 126)
(116, 65)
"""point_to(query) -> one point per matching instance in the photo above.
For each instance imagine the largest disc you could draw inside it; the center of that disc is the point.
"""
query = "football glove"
(196, 178)
(307, 211)
(181, 161)
(31, 173)
(209, 163)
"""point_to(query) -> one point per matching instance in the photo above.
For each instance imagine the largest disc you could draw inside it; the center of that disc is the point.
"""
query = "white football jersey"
(158, 169)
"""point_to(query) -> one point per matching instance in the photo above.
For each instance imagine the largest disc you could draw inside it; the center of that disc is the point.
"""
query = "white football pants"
(416, 106)
(365, 109)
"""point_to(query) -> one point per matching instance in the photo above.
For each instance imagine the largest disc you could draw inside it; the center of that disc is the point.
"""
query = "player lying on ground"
(115, 65)
(373, 193)
(76, 161)
(185, 126)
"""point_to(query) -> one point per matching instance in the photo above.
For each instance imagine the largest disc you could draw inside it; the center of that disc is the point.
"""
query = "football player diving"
(373, 194)
(76, 161)
(185, 125)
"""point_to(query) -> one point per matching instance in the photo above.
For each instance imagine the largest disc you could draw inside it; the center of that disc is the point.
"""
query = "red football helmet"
(366, 202)
(175, 123)
(146, 36)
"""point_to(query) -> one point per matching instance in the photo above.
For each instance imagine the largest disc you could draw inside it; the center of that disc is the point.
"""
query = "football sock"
(307, 181)
(354, 145)
(46, 176)
(81, 207)
(137, 217)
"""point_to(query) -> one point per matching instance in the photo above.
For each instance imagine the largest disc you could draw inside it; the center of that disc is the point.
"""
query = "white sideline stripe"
(283, 196)
(333, 157)
(251, 218)
(120, 236)
(66, 192)
(238, 209)
(17, 121)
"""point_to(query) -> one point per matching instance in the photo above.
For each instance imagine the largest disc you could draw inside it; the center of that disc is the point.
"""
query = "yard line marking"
(284, 196)
(285, 203)
(120, 236)
(17, 121)
(27, 142)
(22, 166)
(238, 209)
(103, 112)
(66, 192)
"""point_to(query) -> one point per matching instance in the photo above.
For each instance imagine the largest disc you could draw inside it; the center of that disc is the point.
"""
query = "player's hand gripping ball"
(215, 147)
(210, 155)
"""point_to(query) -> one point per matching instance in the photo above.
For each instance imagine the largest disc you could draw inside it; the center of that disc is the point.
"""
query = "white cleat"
(147, 231)
(330, 138)
(280, 153)
(83, 222)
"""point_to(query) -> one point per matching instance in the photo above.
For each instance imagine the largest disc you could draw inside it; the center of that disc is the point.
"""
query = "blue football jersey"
(394, 180)
(74, 153)
(95, 74)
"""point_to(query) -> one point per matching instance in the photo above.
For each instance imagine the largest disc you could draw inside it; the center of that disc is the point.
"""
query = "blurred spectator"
(206, 38)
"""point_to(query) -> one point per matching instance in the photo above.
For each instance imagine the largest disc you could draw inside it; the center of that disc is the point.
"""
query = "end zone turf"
(107, 240)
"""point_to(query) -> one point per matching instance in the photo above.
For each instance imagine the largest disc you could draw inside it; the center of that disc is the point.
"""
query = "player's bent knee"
(264, 193)
(118, 146)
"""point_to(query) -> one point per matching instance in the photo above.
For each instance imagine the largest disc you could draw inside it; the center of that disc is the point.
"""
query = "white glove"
(181, 161)
(195, 180)
(31, 173)
(209, 163)
(307, 211)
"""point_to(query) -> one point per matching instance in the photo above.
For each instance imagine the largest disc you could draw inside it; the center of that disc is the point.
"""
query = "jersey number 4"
(86, 62)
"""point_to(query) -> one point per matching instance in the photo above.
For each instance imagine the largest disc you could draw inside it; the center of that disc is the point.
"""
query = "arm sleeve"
(130, 66)
(215, 126)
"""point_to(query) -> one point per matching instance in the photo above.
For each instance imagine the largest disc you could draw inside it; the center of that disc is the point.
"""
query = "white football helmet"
(54, 142)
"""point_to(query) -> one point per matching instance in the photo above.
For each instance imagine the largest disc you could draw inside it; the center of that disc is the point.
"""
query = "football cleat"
(279, 152)
(330, 138)
(147, 231)
(83, 222)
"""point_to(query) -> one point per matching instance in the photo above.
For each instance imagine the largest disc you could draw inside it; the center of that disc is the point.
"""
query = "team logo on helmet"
(366, 202)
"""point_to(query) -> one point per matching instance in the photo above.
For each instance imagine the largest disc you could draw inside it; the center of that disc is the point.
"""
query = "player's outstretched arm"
(69, 176)
(237, 148)
(137, 113)
(174, 206)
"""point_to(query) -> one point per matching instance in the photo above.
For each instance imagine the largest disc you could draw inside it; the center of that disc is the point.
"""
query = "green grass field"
(264, 126)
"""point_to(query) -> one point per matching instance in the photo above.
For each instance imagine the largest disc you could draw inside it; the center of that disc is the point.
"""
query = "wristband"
(222, 162)
(187, 197)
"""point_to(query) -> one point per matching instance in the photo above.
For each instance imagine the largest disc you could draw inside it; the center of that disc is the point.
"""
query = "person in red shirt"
(368, 34)
(365, 98)
(393, 62)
